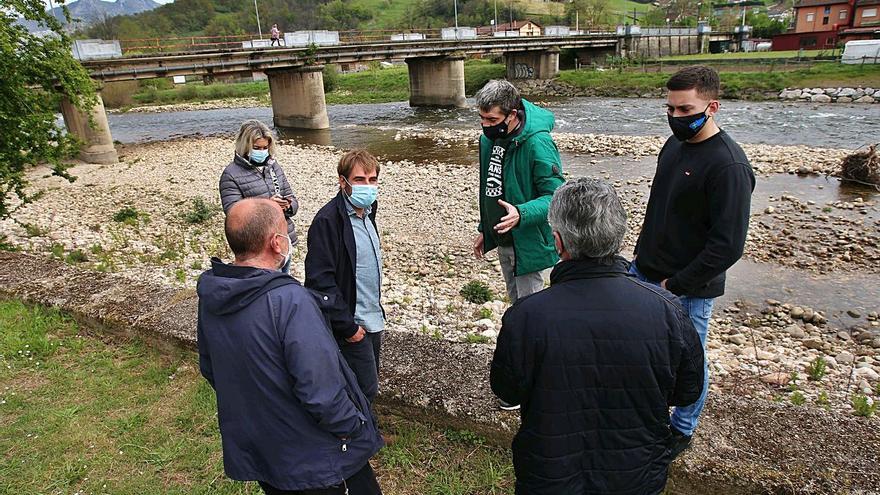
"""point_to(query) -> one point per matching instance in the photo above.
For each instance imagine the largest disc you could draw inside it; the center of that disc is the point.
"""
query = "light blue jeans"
(685, 419)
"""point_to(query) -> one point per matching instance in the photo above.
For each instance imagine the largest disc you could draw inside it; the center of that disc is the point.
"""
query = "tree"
(588, 12)
(763, 26)
(225, 25)
(38, 71)
(343, 15)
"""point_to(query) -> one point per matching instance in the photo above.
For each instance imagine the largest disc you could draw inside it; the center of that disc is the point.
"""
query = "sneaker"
(679, 443)
(507, 407)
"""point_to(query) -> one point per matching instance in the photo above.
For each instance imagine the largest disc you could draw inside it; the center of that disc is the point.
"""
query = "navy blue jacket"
(290, 410)
(595, 361)
(331, 261)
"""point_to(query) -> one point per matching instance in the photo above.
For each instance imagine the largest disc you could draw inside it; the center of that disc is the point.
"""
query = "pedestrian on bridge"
(255, 173)
(275, 35)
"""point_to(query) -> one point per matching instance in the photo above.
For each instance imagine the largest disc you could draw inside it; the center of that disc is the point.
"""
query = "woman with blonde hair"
(254, 173)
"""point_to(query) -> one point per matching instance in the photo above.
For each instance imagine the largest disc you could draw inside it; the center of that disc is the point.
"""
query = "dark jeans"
(362, 482)
(363, 358)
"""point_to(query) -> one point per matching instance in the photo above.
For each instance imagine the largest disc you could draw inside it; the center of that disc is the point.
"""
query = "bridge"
(436, 74)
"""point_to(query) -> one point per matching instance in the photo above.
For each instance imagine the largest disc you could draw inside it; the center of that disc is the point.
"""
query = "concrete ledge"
(743, 446)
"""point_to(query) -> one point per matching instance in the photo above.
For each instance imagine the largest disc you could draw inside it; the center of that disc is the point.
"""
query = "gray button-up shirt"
(368, 273)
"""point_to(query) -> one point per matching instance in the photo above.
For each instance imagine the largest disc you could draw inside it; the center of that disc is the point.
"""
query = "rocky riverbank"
(765, 159)
(139, 219)
(557, 88)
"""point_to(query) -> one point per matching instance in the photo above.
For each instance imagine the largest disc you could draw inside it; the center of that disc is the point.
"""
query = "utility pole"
(496, 16)
(259, 29)
(455, 4)
(577, 20)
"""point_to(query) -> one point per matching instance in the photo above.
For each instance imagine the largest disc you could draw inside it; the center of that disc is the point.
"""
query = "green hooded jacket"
(532, 171)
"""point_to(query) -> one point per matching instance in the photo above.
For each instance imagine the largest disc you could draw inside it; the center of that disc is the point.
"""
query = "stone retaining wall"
(743, 446)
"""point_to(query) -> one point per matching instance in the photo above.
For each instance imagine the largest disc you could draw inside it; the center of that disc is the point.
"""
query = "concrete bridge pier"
(436, 81)
(298, 97)
(533, 64)
(97, 143)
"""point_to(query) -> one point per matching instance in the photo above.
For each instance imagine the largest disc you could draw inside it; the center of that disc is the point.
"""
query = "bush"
(475, 338)
(201, 211)
(797, 398)
(863, 406)
(476, 292)
(817, 369)
(76, 256)
(127, 215)
(331, 78)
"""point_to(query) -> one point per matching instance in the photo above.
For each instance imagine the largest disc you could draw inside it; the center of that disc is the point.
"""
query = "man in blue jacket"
(291, 414)
(344, 263)
(595, 360)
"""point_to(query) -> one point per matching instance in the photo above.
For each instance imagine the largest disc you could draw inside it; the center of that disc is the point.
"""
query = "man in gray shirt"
(344, 263)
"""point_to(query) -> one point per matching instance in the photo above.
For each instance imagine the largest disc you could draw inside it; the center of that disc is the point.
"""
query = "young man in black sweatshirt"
(698, 214)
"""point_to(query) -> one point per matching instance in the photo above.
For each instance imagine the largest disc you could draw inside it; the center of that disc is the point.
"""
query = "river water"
(374, 126)
(836, 126)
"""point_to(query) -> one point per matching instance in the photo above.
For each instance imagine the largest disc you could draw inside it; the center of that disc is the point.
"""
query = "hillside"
(88, 12)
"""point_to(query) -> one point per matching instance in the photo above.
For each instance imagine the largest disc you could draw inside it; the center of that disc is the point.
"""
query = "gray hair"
(250, 131)
(589, 217)
(498, 93)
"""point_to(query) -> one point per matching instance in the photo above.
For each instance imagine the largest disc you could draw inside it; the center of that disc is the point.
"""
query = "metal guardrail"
(184, 44)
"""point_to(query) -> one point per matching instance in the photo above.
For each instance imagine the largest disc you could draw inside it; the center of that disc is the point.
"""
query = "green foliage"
(797, 398)
(823, 400)
(589, 12)
(475, 338)
(225, 25)
(5, 245)
(331, 77)
(201, 211)
(863, 406)
(476, 292)
(484, 313)
(343, 15)
(76, 256)
(817, 369)
(38, 72)
(127, 215)
(763, 26)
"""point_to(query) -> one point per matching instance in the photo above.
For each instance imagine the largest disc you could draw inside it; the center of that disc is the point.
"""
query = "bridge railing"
(233, 42)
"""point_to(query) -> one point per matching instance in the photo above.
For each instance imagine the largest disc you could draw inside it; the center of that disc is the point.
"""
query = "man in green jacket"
(519, 171)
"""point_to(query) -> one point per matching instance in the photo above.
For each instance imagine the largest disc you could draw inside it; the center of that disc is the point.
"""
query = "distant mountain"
(85, 12)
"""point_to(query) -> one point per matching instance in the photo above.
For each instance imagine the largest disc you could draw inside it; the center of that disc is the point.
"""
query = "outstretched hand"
(508, 221)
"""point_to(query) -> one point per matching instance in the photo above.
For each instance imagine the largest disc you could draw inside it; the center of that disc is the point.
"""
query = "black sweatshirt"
(698, 215)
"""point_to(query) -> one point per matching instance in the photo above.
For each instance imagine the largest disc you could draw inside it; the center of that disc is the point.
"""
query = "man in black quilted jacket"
(596, 360)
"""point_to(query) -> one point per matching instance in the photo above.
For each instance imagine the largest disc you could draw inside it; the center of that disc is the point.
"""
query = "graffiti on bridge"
(523, 71)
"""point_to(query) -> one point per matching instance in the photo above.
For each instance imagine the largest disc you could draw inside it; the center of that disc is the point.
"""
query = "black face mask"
(496, 131)
(684, 128)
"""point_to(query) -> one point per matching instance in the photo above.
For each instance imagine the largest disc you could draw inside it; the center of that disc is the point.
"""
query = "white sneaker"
(507, 407)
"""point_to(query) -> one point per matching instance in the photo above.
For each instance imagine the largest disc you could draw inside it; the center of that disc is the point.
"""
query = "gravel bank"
(754, 349)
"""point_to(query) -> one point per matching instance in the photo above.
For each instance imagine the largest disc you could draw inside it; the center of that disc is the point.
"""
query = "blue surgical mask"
(362, 196)
(258, 156)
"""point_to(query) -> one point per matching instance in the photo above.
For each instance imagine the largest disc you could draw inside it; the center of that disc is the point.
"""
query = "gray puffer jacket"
(242, 179)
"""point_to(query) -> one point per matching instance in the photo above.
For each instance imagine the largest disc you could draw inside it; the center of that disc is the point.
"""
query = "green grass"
(734, 82)
(82, 412)
(371, 86)
(750, 55)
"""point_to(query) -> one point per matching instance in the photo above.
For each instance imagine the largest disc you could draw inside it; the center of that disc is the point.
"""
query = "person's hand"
(508, 221)
(478, 246)
(358, 336)
(283, 203)
(663, 283)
